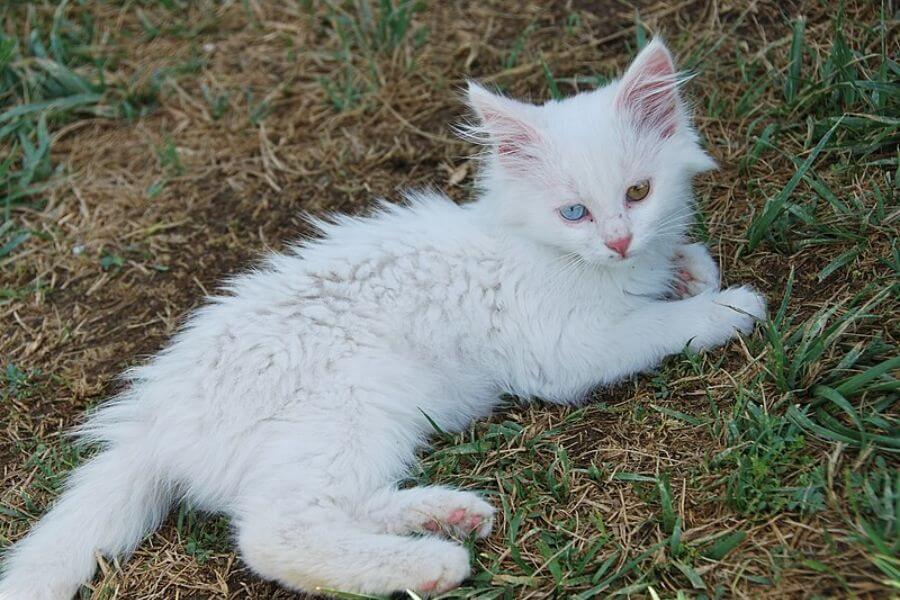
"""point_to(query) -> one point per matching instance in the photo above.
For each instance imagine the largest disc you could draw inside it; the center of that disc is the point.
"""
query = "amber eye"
(638, 191)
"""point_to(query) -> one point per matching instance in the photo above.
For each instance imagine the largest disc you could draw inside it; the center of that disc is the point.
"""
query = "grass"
(151, 148)
(367, 30)
(52, 76)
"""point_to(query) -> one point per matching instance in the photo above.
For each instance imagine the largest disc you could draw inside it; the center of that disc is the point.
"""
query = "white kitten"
(295, 403)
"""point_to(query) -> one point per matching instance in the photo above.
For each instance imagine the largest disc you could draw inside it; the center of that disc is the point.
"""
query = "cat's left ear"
(648, 92)
(507, 125)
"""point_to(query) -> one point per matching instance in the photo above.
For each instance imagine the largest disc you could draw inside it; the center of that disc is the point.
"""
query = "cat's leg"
(696, 271)
(592, 352)
(431, 509)
(701, 322)
(309, 543)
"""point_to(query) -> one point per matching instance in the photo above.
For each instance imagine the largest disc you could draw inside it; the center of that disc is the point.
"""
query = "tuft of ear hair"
(505, 124)
(648, 92)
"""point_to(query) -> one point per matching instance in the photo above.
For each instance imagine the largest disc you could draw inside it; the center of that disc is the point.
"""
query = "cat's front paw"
(729, 312)
(695, 271)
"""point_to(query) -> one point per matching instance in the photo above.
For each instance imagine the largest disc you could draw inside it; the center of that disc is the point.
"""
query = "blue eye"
(573, 212)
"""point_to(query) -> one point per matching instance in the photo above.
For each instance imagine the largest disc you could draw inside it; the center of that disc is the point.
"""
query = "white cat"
(296, 402)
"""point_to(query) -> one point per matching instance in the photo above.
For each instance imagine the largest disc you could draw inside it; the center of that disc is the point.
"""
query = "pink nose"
(620, 246)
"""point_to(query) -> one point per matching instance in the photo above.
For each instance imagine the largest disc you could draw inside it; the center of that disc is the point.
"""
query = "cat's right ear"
(506, 125)
(648, 92)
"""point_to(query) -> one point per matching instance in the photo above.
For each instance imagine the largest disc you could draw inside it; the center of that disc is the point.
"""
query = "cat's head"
(605, 174)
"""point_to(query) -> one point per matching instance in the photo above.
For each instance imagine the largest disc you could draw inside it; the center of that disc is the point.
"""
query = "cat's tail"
(109, 504)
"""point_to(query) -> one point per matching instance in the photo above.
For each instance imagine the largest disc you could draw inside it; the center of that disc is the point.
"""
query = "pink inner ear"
(513, 145)
(648, 91)
(506, 124)
(515, 139)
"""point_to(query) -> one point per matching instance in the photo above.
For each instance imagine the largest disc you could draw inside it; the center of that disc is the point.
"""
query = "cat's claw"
(696, 271)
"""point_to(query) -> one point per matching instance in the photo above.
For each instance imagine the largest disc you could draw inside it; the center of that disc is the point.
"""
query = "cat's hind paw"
(444, 572)
(453, 512)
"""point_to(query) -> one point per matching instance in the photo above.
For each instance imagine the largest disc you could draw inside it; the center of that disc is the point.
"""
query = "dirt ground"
(265, 113)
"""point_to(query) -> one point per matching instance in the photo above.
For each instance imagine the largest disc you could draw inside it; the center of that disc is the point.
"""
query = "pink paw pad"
(462, 519)
(429, 586)
(681, 284)
(457, 516)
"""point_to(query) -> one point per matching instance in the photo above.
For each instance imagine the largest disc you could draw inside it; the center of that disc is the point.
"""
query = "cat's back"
(425, 222)
(366, 284)
(287, 327)
(362, 280)
(397, 251)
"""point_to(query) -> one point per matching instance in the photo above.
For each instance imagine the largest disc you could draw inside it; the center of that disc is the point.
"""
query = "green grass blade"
(759, 227)
(724, 545)
(691, 574)
(796, 61)
(50, 106)
(839, 262)
(856, 383)
(675, 414)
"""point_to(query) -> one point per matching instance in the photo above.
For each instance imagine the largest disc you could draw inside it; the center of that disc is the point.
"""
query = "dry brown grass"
(241, 186)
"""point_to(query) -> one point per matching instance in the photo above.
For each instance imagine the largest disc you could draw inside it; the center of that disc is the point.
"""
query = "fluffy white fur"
(296, 401)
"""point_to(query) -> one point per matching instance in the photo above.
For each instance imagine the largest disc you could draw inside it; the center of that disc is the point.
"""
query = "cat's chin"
(613, 264)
